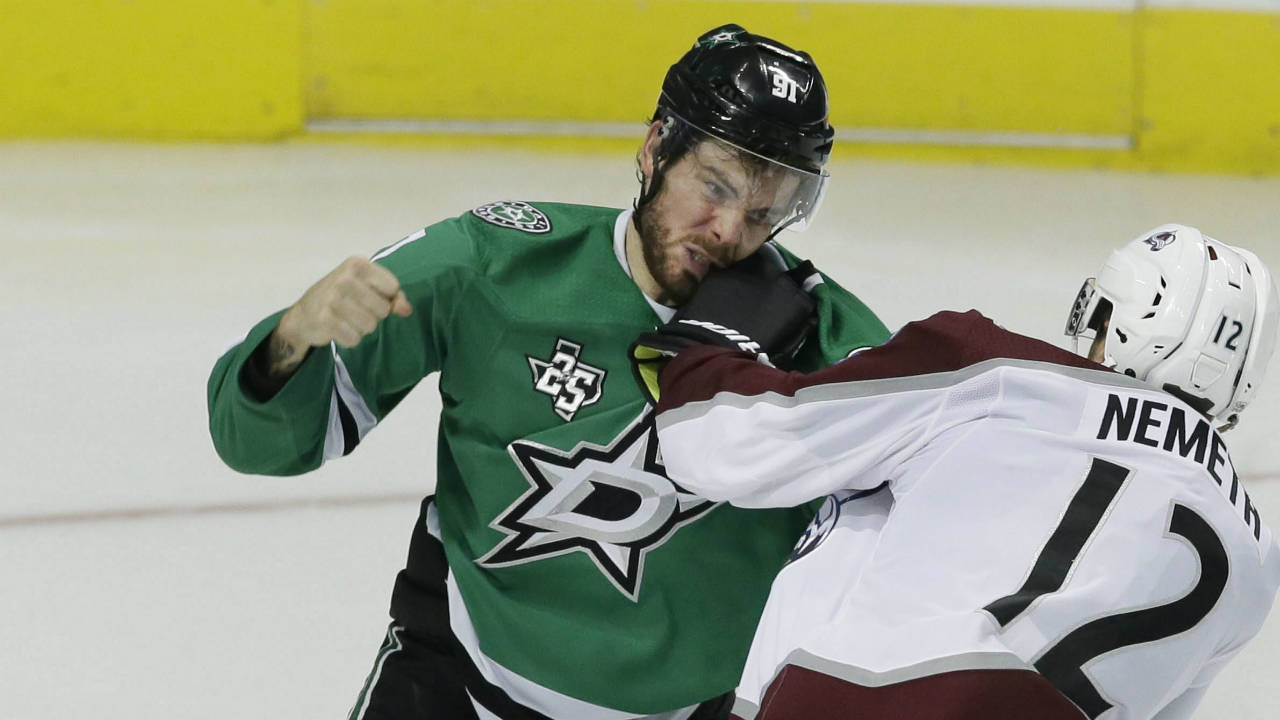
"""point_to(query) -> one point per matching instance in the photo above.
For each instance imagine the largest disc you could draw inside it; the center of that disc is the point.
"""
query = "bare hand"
(342, 307)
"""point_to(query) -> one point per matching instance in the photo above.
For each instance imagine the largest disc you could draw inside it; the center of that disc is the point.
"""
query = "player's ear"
(649, 149)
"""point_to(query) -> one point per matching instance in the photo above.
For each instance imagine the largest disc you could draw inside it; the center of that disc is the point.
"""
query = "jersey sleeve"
(737, 430)
(338, 394)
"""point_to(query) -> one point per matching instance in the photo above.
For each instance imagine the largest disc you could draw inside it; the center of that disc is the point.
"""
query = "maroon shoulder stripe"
(945, 342)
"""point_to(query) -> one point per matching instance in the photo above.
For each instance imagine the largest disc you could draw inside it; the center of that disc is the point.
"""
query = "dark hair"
(675, 139)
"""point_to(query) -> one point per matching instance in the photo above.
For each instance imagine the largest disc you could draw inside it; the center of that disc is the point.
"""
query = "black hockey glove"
(753, 305)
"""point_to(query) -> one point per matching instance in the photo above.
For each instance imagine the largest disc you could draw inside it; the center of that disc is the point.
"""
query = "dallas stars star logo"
(613, 504)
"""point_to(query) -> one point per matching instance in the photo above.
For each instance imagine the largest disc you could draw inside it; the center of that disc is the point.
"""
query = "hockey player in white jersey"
(1010, 530)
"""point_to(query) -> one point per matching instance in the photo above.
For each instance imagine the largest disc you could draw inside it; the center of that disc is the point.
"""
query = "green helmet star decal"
(722, 37)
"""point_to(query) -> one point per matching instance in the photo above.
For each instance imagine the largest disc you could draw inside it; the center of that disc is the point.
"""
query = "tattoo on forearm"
(284, 357)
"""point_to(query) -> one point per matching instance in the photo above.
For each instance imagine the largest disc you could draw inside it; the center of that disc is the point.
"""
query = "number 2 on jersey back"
(1063, 662)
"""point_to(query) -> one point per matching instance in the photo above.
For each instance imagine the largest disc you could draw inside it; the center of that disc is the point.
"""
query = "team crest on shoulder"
(1160, 240)
(571, 383)
(515, 215)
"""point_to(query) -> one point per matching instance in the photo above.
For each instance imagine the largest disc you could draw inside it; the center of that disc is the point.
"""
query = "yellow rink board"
(1168, 89)
(886, 65)
(155, 69)
(1210, 91)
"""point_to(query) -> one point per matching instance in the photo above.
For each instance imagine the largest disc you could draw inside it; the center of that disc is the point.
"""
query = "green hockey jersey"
(575, 564)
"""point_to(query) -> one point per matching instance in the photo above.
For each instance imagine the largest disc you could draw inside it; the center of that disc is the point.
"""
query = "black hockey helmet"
(754, 93)
(761, 99)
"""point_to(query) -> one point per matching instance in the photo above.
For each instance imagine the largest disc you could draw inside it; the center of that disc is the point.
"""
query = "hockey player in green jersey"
(557, 571)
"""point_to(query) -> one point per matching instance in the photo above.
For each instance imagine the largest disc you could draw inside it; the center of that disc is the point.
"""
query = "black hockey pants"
(414, 680)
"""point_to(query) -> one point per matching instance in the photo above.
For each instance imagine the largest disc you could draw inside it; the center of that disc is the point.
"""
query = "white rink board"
(128, 268)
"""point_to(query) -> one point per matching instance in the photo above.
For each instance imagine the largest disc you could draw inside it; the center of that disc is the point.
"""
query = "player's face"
(713, 209)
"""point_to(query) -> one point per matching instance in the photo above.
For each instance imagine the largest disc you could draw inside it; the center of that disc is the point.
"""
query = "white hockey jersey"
(994, 504)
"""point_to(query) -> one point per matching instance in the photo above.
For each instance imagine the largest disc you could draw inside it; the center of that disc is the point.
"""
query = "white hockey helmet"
(1186, 313)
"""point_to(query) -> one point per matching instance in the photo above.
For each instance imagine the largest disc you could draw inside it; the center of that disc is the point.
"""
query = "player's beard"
(664, 255)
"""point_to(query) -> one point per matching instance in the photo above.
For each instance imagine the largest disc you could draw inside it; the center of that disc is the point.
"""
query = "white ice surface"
(142, 579)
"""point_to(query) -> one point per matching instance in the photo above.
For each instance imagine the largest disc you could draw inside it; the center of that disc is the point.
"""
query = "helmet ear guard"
(1188, 314)
(1088, 312)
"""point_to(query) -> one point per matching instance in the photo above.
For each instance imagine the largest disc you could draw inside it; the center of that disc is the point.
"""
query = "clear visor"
(1082, 310)
(767, 195)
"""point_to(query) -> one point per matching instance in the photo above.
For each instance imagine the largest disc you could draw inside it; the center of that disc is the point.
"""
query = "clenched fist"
(342, 307)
